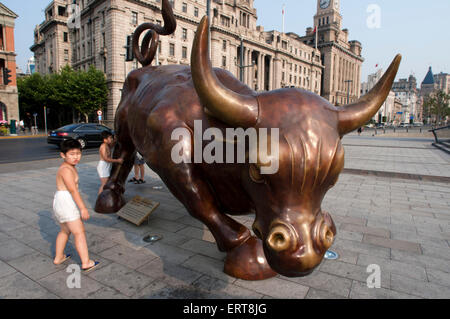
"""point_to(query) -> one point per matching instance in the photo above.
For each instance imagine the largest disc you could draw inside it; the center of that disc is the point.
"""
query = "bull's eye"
(255, 174)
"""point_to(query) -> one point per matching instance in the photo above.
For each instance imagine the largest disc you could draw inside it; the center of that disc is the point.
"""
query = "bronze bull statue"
(292, 232)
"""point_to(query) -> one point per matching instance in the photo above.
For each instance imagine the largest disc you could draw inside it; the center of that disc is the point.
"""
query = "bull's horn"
(224, 104)
(355, 115)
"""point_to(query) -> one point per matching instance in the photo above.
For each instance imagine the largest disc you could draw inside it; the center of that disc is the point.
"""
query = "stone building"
(442, 81)
(9, 102)
(428, 85)
(406, 91)
(342, 58)
(387, 112)
(272, 59)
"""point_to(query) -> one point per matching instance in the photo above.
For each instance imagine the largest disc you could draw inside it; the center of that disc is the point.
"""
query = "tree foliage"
(437, 105)
(66, 93)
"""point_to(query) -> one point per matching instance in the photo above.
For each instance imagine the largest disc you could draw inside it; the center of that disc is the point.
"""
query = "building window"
(66, 55)
(172, 49)
(61, 11)
(104, 65)
(224, 61)
(184, 34)
(196, 12)
(65, 36)
(225, 21)
(134, 18)
(184, 7)
(184, 53)
(172, 3)
(224, 45)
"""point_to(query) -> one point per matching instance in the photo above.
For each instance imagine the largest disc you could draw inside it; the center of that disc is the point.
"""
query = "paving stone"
(169, 273)
(350, 235)
(392, 243)
(208, 266)
(106, 293)
(12, 249)
(169, 253)
(194, 232)
(393, 266)
(126, 280)
(4, 237)
(420, 260)
(438, 277)
(361, 291)
(419, 288)
(97, 244)
(6, 269)
(8, 224)
(222, 289)
(204, 248)
(57, 284)
(349, 271)
(366, 230)
(155, 290)
(436, 252)
(36, 265)
(350, 220)
(362, 248)
(321, 294)
(18, 286)
(332, 284)
(27, 234)
(128, 256)
(275, 287)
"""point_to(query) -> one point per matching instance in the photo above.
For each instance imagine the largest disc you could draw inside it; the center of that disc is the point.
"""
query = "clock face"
(324, 3)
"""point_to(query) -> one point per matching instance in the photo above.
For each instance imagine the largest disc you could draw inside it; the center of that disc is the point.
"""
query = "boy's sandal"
(141, 181)
(133, 180)
(66, 257)
(86, 270)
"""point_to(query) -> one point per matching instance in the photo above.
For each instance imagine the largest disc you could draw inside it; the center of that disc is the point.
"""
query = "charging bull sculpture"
(292, 232)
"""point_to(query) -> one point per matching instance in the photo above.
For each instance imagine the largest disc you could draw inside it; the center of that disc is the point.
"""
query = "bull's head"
(295, 231)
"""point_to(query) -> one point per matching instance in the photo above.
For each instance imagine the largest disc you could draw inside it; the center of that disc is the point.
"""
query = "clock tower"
(341, 58)
(328, 14)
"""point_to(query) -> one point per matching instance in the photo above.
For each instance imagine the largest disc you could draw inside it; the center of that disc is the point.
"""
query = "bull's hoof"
(109, 202)
(248, 262)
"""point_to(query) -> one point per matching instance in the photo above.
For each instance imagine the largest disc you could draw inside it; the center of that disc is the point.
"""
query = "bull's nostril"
(279, 239)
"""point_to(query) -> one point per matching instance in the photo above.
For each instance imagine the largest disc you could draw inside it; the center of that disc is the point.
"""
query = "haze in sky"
(415, 28)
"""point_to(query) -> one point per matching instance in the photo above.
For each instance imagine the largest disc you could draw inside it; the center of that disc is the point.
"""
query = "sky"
(417, 29)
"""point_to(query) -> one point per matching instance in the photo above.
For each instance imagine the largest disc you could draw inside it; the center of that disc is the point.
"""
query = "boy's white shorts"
(64, 207)
(103, 169)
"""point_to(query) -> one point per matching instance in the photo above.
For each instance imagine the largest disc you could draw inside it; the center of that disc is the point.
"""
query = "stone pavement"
(400, 224)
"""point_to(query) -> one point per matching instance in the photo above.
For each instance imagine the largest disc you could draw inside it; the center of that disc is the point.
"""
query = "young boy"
(65, 202)
(105, 163)
(138, 168)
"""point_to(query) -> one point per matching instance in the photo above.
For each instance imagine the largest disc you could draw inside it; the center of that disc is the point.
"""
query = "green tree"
(90, 91)
(437, 105)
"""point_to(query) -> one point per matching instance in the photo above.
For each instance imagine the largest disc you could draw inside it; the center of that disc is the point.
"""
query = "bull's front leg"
(245, 255)
(111, 200)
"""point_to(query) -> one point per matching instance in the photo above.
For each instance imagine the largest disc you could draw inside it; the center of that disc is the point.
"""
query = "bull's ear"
(355, 115)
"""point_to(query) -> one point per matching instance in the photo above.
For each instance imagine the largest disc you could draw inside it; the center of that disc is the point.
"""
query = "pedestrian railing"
(442, 138)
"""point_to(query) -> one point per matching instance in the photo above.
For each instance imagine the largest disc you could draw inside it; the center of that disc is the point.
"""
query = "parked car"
(403, 124)
(88, 134)
(417, 124)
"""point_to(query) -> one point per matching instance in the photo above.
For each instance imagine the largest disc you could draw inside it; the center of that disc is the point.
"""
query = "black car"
(86, 133)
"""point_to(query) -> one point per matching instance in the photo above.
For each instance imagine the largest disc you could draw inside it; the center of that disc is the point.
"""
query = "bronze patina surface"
(292, 232)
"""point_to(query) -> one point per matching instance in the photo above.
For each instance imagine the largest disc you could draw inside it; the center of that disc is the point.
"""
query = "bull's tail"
(148, 50)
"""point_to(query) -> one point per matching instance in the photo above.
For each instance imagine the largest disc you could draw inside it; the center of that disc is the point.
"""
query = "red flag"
(376, 65)
(315, 28)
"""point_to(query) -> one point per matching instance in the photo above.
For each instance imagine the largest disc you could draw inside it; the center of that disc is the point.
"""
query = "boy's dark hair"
(69, 144)
(106, 134)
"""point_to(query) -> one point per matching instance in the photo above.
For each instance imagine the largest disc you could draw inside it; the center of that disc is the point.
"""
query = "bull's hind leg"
(245, 255)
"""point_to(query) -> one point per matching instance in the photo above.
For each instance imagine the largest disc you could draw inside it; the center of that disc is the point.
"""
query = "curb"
(22, 136)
